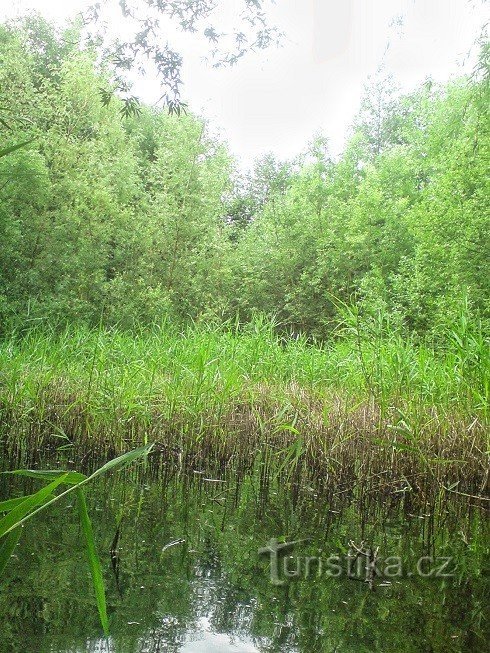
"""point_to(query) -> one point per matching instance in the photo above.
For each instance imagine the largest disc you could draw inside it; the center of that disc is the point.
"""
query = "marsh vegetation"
(302, 351)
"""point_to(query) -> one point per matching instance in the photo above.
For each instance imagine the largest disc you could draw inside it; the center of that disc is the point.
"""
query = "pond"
(196, 564)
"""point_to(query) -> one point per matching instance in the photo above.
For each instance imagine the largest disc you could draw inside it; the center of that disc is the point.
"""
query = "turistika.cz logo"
(361, 562)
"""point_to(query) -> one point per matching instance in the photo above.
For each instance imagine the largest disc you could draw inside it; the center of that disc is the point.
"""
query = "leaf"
(287, 427)
(26, 507)
(123, 460)
(12, 148)
(105, 96)
(72, 478)
(20, 512)
(93, 559)
(7, 506)
(453, 486)
(131, 107)
(8, 547)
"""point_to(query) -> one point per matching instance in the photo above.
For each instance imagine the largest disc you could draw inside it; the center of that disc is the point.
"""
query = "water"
(183, 573)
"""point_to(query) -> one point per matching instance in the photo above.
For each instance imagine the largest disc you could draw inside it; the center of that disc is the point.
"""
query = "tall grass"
(360, 404)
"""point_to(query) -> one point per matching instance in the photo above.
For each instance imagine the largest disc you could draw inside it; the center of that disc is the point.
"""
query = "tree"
(135, 219)
(105, 216)
(250, 32)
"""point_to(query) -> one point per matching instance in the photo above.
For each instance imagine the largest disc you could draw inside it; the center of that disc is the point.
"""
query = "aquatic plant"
(352, 413)
(21, 509)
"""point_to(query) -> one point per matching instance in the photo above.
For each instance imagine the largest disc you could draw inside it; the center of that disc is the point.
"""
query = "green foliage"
(105, 216)
(411, 211)
(124, 215)
(22, 509)
(12, 148)
(167, 373)
(313, 306)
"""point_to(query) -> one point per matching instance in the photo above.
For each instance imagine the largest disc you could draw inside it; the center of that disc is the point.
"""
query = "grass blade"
(10, 504)
(21, 511)
(93, 559)
(24, 508)
(71, 478)
(13, 148)
(123, 460)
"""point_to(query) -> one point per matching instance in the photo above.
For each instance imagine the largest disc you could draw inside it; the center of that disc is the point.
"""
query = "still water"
(184, 574)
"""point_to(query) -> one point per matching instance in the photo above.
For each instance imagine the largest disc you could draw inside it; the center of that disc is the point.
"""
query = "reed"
(357, 413)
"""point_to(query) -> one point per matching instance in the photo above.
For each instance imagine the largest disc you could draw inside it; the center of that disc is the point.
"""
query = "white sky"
(277, 100)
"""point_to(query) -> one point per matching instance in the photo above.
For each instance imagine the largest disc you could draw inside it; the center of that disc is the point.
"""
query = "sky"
(277, 100)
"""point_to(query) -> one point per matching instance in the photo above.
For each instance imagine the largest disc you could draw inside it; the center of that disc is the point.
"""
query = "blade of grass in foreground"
(93, 560)
(10, 504)
(120, 461)
(26, 508)
(12, 148)
(71, 478)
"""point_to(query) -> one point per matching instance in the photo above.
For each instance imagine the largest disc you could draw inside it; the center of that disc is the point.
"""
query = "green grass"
(357, 406)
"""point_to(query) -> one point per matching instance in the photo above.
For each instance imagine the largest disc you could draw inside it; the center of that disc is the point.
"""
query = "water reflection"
(204, 640)
(183, 575)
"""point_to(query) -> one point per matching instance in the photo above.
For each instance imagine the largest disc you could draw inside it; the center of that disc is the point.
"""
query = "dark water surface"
(183, 572)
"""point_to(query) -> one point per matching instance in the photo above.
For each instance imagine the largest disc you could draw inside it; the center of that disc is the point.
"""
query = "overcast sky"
(276, 100)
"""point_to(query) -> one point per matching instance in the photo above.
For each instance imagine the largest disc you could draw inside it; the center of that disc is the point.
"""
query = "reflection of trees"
(216, 574)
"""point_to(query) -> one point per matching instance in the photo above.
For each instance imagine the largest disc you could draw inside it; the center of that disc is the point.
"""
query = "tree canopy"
(108, 215)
